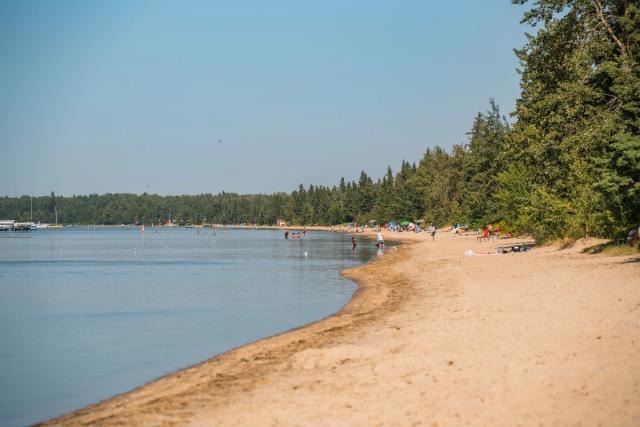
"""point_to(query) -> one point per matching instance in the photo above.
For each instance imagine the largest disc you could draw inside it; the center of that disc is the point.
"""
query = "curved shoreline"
(431, 337)
(242, 368)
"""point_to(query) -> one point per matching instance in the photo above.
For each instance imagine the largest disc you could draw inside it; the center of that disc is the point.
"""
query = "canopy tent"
(405, 222)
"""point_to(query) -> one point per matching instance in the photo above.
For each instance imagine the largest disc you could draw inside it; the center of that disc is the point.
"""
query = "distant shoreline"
(232, 226)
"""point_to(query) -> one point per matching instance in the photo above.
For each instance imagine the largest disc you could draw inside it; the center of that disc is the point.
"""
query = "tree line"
(569, 166)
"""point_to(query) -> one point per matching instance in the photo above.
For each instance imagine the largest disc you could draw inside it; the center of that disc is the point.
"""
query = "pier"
(12, 225)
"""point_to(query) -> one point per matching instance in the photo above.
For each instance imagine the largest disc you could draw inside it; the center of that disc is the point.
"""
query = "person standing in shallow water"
(354, 243)
(286, 235)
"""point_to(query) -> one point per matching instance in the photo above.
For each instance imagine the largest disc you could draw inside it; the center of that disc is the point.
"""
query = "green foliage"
(514, 197)
(148, 208)
(548, 215)
(576, 138)
(483, 162)
(437, 183)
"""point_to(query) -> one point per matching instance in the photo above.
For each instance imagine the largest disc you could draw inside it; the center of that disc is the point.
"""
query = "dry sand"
(548, 337)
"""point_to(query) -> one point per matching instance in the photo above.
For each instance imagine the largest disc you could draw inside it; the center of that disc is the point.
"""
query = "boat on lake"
(24, 226)
(7, 225)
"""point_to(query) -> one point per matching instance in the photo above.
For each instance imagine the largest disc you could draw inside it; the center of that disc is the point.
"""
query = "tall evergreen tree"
(576, 139)
(483, 161)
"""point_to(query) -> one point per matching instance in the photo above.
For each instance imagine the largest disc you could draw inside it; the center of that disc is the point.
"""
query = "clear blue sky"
(133, 96)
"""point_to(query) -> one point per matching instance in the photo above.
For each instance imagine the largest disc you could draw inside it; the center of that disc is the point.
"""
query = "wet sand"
(431, 337)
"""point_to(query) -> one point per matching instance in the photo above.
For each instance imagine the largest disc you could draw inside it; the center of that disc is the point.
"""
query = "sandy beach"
(433, 338)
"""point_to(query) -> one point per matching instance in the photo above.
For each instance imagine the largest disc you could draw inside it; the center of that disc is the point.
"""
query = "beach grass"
(612, 249)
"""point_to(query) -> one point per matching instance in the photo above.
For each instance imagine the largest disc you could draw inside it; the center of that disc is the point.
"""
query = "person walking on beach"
(433, 232)
(354, 243)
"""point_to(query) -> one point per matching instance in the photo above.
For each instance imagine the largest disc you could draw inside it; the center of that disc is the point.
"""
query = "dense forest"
(568, 166)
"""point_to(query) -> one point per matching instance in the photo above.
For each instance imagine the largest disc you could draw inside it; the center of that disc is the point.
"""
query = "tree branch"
(600, 12)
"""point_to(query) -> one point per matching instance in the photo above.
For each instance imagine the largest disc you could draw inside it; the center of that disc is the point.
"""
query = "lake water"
(89, 313)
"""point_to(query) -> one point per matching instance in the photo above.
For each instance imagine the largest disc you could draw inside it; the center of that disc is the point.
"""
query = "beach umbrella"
(405, 222)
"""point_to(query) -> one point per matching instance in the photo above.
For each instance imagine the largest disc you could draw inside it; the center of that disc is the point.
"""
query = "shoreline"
(354, 313)
(430, 337)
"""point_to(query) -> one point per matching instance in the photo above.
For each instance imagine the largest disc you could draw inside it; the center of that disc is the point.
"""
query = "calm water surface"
(86, 314)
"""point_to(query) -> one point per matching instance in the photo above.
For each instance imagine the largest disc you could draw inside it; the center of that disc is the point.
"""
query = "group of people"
(379, 241)
(294, 234)
(488, 233)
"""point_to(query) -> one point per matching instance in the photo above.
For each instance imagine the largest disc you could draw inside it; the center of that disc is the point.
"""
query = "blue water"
(86, 314)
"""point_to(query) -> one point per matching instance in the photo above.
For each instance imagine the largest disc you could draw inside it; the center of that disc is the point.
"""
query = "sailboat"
(56, 226)
(39, 225)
